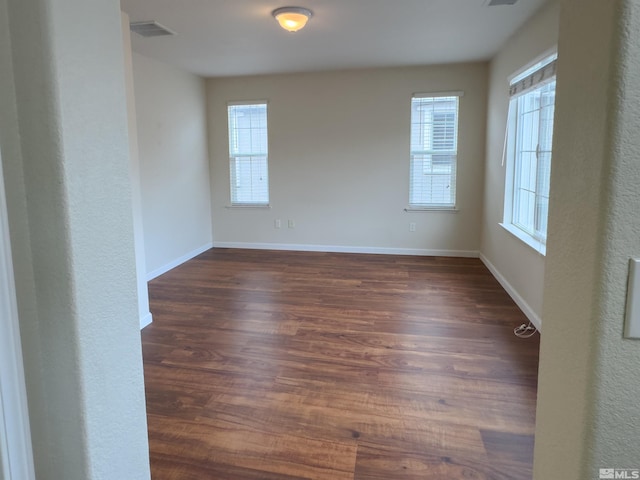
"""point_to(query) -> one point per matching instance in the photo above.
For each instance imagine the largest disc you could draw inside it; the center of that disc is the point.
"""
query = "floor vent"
(496, 3)
(150, 29)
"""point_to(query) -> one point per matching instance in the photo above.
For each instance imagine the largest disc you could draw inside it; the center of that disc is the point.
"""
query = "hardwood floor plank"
(230, 443)
(167, 467)
(504, 445)
(384, 461)
(312, 366)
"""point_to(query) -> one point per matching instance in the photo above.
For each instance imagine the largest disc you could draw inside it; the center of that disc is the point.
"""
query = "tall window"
(434, 149)
(248, 154)
(529, 140)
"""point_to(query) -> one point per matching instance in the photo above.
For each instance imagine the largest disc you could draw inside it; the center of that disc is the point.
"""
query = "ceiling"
(240, 37)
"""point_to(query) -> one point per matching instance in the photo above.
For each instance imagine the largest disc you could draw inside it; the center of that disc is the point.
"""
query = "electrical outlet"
(292, 223)
(277, 223)
(412, 227)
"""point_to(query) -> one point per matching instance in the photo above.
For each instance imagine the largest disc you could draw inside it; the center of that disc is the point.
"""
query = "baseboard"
(348, 249)
(524, 306)
(146, 320)
(178, 261)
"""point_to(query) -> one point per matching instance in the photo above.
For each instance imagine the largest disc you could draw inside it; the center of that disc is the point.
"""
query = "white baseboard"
(348, 249)
(146, 320)
(524, 306)
(178, 261)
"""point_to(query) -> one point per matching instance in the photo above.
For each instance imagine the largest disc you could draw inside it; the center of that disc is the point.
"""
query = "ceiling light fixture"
(292, 19)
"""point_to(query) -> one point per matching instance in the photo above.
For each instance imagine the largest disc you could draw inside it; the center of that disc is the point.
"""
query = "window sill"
(431, 209)
(525, 238)
(249, 206)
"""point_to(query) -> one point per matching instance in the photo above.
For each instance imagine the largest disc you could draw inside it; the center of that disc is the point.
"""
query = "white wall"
(16, 455)
(339, 161)
(65, 148)
(134, 166)
(519, 268)
(589, 381)
(18, 221)
(174, 163)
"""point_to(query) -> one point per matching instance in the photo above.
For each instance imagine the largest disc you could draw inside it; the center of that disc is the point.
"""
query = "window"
(529, 140)
(248, 154)
(434, 149)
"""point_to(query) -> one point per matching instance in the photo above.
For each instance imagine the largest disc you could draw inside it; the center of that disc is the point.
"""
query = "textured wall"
(589, 381)
(64, 141)
(616, 425)
(134, 167)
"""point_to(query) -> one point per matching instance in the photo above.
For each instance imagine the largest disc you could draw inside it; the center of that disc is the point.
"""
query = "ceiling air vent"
(496, 3)
(150, 29)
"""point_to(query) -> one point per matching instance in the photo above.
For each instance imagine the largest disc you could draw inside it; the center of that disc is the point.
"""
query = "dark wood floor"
(290, 365)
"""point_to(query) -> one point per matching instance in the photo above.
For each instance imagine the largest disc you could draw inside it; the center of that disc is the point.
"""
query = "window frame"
(513, 151)
(434, 206)
(233, 158)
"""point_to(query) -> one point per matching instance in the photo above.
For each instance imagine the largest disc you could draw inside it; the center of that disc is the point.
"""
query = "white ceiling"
(240, 37)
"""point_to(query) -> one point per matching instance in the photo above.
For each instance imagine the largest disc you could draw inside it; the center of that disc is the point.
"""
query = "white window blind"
(434, 149)
(248, 154)
(533, 78)
(531, 137)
